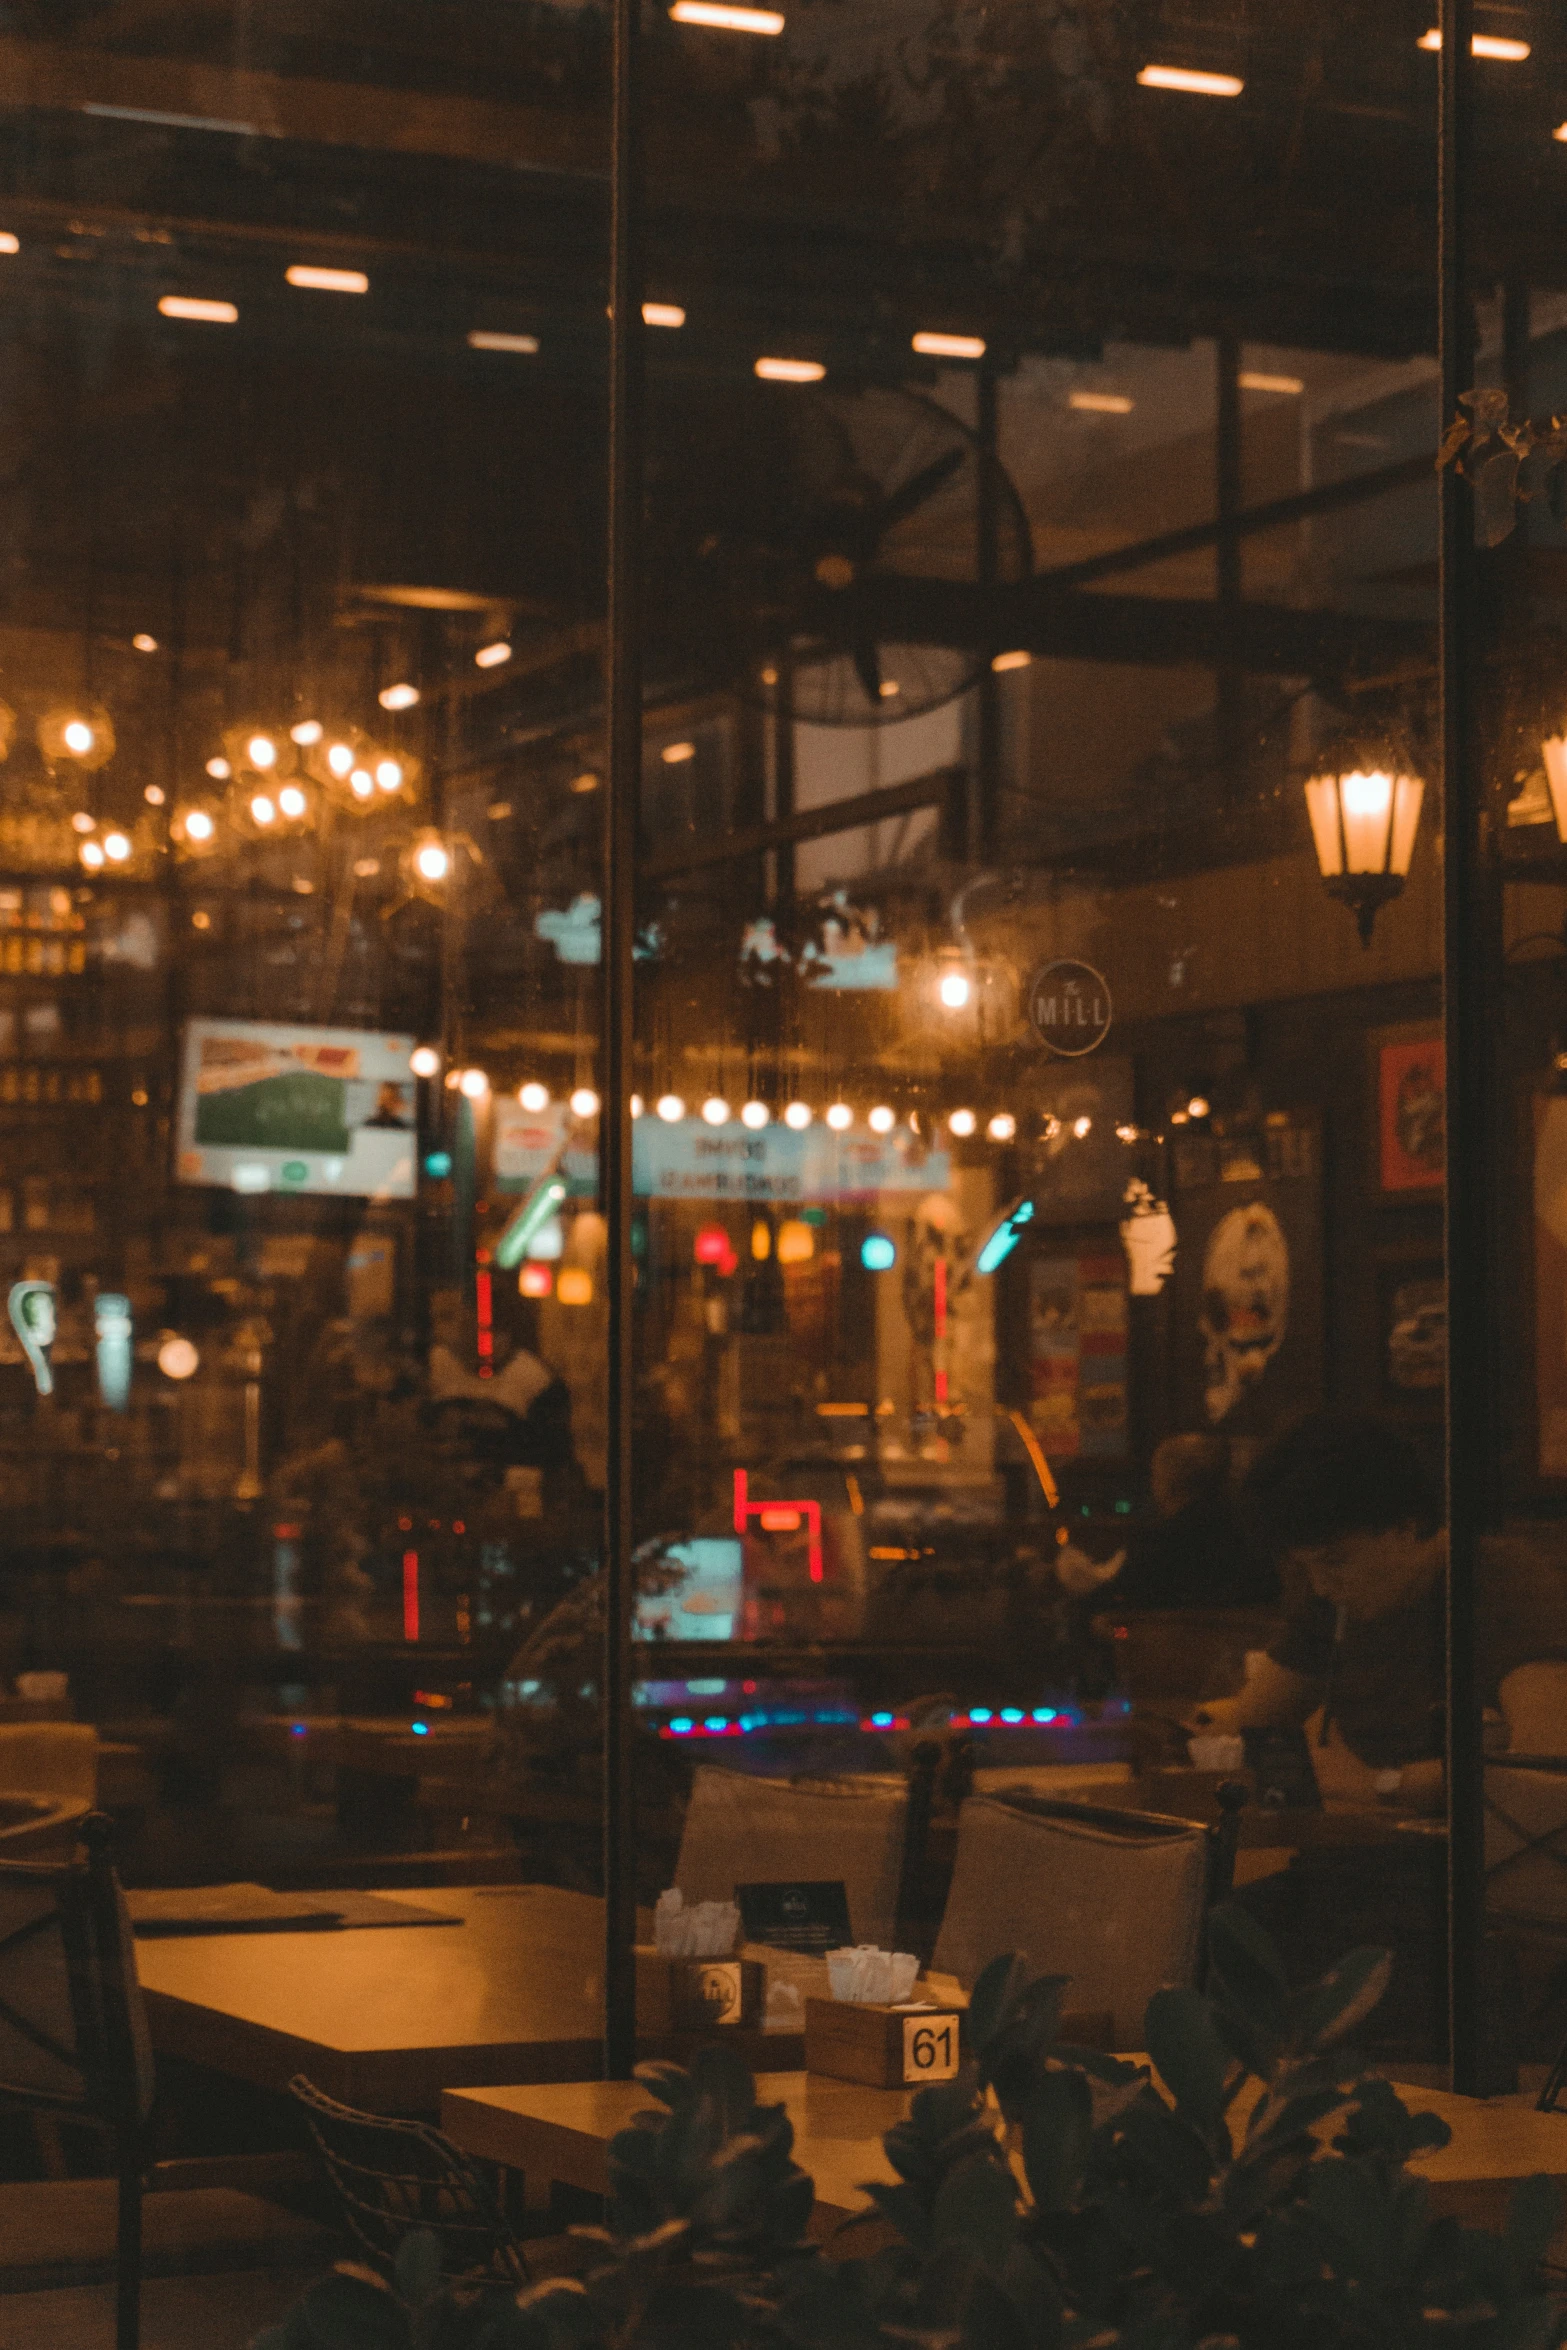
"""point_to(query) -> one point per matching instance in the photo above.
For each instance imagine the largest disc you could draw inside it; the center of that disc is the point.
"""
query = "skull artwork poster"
(1245, 1304)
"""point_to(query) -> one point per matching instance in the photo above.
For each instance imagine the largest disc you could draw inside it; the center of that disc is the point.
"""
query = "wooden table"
(388, 2017)
(562, 2133)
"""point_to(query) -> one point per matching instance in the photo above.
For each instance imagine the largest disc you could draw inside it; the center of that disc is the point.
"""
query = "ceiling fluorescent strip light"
(1483, 45)
(662, 314)
(188, 306)
(950, 346)
(1183, 77)
(481, 339)
(790, 371)
(327, 281)
(724, 19)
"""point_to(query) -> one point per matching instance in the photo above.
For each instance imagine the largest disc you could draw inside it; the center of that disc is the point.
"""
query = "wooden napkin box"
(883, 2047)
(697, 1994)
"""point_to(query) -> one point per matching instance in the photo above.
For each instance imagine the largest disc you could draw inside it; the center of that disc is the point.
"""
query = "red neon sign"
(410, 1595)
(781, 1517)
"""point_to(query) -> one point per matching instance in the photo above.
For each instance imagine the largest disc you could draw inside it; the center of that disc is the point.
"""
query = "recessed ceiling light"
(1182, 77)
(1101, 403)
(663, 314)
(327, 281)
(208, 313)
(950, 346)
(1483, 45)
(725, 19)
(1014, 660)
(790, 371)
(1250, 381)
(482, 339)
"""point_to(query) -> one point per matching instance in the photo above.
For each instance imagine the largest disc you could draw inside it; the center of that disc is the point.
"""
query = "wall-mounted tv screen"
(268, 1108)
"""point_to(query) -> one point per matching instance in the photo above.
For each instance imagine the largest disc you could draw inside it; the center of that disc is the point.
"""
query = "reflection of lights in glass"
(840, 1117)
(790, 371)
(715, 1110)
(754, 1115)
(1198, 85)
(535, 1281)
(143, 642)
(154, 795)
(82, 822)
(327, 281)
(492, 656)
(424, 1060)
(291, 801)
(878, 1252)
(475, 1085)
(1082, 1128)
(1126, 1134)
(1016, 659)
(340, 758)
(1492, 45)
(939, 346)
(77, 736)
(485, 339)
(721, 16)
(798, 1116)
(1002, 1126)
(263, 811)
(663, 314)
(199, 825)
(585, 782)
(177, 1358)
(431, 861)
(636, 1105)
(761, 1240)
(574, 1286)
(670, 1108)
(882, 1120)
(676, 754)
(548, 1244)
(962, 1122)
(307, 732)
(954, 990)
(1100, 403)
(1197, 1107)
(401, 696)
(116, 847)
(389, 774)
(361, 783)
(533, 1096)
(219, 770)
(796, 1242)
(192, 307)
(584, 1102)
(91, 856)
(261, 751)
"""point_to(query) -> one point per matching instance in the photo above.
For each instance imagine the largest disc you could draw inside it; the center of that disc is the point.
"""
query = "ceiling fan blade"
(919, 488)
(867, 667)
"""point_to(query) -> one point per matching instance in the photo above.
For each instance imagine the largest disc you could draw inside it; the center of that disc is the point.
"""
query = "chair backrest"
(73, 2027)
(50, 1758)
(741, 1830)
(1534, 1705)
(1526, 1843)
(395, 2176)
(1115, 1900)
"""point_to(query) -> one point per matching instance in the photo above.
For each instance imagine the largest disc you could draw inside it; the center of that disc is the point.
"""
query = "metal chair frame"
(1531, 1844)
(392, 2176)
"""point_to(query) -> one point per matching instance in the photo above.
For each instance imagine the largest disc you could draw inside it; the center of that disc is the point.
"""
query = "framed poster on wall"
(1249, 1285)
(1412, 1328)
(1409, 1097)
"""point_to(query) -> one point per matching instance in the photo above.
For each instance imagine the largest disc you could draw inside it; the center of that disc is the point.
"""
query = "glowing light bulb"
(882, 1120)
(840, 1117)
(263, 810)
(954, 990)
(715, 1110)
(116, 847)
(1198, 1106)
(177, 1358)
(389, 774)
(292, 802)
(962, 1122)
(82, 822)
(308, 731)
(533, 1096)
(1002, 1126)
(424, 1060)
(798, 1116)
(754, 1115)
(261, 751)
(362, 783)
(492, 656)
(670, 1108)
(398, 697)
(431, 862)
(91, 855)
(78, 737)
(143, 642)
(219, 770)
(584, 1102)
(474, 1084)
(154, 795)
(199, 825)
(339, 758)
(1082, 1128)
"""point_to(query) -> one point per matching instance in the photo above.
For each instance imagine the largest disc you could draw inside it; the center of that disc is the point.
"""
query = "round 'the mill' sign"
(1069, 1004)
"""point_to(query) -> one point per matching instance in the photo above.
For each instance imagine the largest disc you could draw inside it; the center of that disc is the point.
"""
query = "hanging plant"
(1508, 464)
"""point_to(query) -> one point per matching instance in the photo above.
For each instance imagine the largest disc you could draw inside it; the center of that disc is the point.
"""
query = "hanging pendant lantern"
(1363, 824)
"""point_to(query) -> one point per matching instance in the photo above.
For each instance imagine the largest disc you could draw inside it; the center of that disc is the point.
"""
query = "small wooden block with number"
(884, 2047)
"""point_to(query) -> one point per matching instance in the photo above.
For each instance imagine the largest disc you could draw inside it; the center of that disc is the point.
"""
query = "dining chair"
(742, 1830)
(73, 2030)
(392, 2177)
(1114, 1899)
(1526, 1866)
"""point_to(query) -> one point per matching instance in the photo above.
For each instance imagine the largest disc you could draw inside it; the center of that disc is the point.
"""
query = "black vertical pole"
(987, 827)
(1469, 1434)
(623, 691)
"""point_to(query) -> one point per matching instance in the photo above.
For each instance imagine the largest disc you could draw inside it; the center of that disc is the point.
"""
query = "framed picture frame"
(1411, 1302)
(1409, 1107)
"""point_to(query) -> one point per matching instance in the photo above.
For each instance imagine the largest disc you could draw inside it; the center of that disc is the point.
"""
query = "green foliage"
(1047, 2199)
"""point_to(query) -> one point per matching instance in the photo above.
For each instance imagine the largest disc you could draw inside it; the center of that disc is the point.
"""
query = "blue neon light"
(716, 1722)
(420, 1729)
(296, 1729)
(979, 1713)
(878, 1252)
(1005, 1238)
(881, 1721)
(682, 1725)
(1044, 1713)
(1009, 1713)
